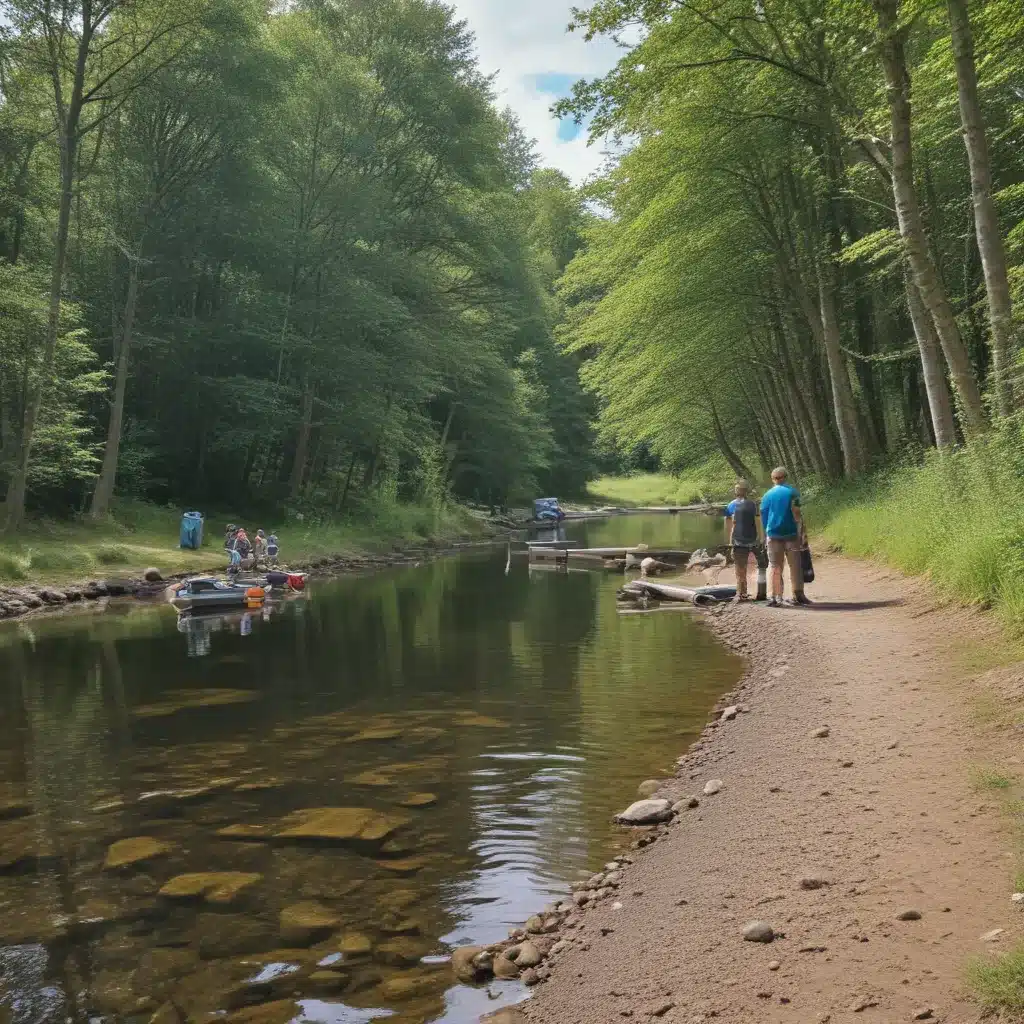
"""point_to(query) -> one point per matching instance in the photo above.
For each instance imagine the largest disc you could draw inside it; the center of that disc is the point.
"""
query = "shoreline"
(27, 599)
(796, 836)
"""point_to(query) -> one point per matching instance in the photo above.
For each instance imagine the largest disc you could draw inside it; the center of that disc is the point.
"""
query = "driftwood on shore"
(699, 596)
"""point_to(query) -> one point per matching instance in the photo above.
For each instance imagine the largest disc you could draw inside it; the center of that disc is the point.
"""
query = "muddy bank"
(25, 598)
(829, 858)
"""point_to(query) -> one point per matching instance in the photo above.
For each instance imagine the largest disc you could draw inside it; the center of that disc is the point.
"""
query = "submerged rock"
(127, 853)
(354, 945)
(246, 833)
(221, 888)
(378, 735)
(419, 800)
(645, 812)
(470, 719)
(281, 1011)
(340, 825)
(402, 951)
(405, 866)
(648, 788)
(303, 923)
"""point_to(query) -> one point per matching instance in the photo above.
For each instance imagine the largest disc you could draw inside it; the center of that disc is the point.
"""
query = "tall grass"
(957, 519)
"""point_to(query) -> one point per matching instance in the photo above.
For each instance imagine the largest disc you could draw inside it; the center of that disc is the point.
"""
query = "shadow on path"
(853, 606)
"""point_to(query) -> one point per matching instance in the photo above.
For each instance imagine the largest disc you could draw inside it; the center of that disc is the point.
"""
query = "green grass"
(986, 778)
(139, 536)
(714, 481)
(957, 519)
(998, 983)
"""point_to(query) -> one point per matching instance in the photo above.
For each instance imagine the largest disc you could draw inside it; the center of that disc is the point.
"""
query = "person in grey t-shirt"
(743, 530)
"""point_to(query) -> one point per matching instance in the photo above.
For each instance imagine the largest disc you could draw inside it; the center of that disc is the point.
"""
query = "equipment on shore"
(191, 534)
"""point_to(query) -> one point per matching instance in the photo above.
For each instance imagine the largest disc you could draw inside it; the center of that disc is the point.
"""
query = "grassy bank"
(958, 519)
(710, 482)
(138, 536)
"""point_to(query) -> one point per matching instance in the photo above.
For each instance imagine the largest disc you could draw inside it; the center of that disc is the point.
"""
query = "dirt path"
(885, 808)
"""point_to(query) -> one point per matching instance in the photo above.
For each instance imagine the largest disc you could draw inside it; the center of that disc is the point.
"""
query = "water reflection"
(484, 727)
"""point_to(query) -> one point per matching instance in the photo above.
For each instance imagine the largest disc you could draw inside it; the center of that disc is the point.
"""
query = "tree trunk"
(842, 393)
(986, 220)
(911, 222)
(104, 491)
(302, 444)
(737, 464)
(68, 120)
(940, 403)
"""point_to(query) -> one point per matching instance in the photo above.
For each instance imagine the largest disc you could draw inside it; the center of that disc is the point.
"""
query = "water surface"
(488, 726)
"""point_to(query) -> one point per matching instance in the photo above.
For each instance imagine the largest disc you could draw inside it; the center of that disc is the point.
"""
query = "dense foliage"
(804, 261)
(287, 254)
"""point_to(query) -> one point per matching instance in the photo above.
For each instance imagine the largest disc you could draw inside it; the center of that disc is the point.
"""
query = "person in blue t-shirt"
(784, 528)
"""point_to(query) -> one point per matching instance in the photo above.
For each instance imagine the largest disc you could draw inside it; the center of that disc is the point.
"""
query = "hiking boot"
(774, 602)
(802, 599)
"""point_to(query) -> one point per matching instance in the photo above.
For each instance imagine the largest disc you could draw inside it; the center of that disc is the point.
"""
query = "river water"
(481, 727)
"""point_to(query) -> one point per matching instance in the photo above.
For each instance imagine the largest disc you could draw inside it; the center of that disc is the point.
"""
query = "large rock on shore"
(464, 964)
(645, 812)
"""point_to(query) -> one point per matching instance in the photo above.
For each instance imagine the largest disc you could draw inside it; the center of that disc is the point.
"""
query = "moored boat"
(210, 592)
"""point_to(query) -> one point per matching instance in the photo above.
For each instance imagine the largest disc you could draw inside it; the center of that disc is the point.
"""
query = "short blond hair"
(779, 474)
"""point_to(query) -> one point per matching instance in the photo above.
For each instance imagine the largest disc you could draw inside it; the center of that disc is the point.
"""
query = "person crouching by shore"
(784, 527)
(743, 532)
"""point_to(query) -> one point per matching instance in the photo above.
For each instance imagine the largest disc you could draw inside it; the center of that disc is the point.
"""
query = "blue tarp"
(191, 530)
(546, 508)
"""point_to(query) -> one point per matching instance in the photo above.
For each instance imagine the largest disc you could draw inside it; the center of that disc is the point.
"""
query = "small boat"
(209, 592)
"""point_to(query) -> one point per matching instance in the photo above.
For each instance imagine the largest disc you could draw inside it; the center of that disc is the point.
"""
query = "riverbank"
(859, 816)
(57, 565)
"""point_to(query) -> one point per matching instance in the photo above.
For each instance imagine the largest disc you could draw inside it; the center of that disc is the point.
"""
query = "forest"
(816, 237)
(296, 256)
(291, 257)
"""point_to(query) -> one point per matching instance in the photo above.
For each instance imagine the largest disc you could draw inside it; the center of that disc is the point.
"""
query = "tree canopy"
(803, 261)
(294, 255)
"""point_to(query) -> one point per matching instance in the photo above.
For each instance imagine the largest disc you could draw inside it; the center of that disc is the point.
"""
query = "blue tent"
(191, 531)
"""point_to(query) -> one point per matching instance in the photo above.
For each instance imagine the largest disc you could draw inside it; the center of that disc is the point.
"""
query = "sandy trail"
(885, 808)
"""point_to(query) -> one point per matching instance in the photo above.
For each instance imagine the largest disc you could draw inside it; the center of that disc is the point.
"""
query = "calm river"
(484, 726)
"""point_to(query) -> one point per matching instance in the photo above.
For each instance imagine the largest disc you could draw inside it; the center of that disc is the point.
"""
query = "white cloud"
(524, 39)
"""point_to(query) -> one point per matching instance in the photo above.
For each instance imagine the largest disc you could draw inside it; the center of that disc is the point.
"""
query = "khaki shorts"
(779, 548)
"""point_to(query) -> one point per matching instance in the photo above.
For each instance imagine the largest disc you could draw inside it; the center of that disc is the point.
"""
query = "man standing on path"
(784, 527)
(743, 531)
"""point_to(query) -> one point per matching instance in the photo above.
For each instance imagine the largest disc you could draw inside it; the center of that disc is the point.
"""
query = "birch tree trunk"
(986, 221)
(104, 491)
(940, 404)
(842, 393)
(911, 222)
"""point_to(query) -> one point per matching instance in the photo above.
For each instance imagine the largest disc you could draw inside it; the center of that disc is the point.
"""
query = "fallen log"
(699, 596)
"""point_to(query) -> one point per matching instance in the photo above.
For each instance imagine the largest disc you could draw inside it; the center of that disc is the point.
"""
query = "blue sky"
(536, 62)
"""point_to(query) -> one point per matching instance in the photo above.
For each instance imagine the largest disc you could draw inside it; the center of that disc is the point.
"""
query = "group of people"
(245, 554)
(778, 525)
